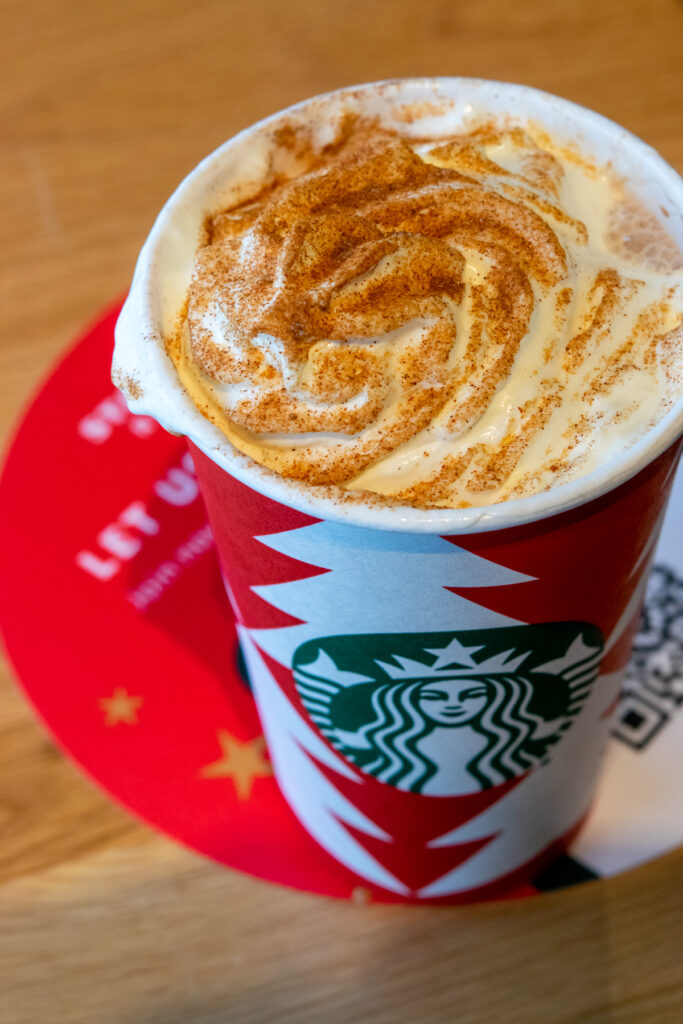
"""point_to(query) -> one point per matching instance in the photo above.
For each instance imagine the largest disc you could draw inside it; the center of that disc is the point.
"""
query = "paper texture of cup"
(435, 686)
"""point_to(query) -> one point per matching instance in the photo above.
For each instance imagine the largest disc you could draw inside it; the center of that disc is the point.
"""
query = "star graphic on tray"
(120, 707)
(241, 760)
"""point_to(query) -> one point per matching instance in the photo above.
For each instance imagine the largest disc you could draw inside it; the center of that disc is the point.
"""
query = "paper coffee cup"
(435, 686)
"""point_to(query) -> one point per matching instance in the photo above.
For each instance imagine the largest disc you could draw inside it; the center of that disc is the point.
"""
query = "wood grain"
(103, 109)
(149, 935)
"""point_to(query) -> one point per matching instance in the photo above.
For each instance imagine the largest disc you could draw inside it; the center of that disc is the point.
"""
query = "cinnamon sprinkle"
(332, 305)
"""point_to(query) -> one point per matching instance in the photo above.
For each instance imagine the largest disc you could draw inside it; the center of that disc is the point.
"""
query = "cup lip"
(140, 351)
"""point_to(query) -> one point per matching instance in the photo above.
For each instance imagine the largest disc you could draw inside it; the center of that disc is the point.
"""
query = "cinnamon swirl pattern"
(439, 322)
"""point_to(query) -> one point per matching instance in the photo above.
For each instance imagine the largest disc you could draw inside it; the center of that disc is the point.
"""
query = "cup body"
(436, 707)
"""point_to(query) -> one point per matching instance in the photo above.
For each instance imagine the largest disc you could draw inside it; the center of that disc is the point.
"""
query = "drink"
(434, 682)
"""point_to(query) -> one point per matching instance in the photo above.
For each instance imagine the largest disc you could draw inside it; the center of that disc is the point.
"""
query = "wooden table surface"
(104, 107)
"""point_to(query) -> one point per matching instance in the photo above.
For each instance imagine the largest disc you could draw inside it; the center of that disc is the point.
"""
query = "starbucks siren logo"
(446, 713)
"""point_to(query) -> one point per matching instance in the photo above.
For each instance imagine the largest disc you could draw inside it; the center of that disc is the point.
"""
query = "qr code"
(653, 681)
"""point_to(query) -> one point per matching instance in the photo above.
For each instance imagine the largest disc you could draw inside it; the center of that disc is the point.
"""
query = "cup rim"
(140, 351)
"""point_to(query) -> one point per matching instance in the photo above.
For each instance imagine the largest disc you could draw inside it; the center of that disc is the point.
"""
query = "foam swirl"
(410, 319)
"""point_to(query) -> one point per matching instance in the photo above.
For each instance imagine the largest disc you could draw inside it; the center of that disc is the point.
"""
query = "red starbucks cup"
(435, 686)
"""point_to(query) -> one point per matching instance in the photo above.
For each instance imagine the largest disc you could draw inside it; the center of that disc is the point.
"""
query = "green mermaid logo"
(447, 713)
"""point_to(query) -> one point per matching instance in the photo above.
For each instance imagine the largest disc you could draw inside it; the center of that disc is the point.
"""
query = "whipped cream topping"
(446, 322)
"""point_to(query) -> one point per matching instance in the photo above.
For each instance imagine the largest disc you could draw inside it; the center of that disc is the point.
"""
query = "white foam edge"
(164, 267)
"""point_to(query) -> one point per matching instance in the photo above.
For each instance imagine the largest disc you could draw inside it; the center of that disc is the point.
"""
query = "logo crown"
(453, 660)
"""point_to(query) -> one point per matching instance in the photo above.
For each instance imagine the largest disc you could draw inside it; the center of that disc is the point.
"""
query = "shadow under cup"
(436, 707)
